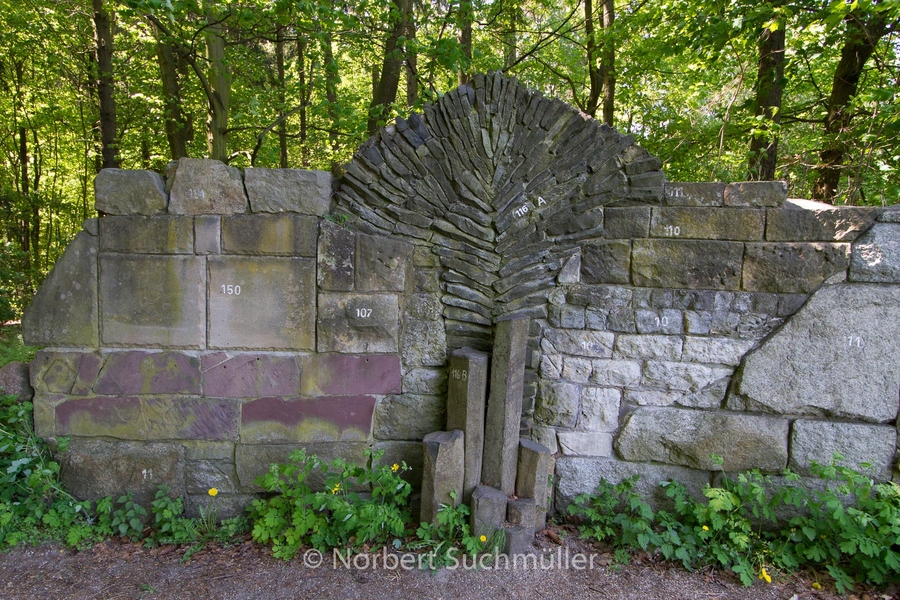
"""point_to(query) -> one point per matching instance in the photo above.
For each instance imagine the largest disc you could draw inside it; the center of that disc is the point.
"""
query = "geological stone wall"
(210, 322)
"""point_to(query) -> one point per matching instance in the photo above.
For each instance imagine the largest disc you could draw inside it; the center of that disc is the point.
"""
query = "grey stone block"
(424, 343)
(466, 401)
(64, 311)
(381, 264)
(558, 403)
(626, 222)
(818, 441)
(358, 323)
(408, 417)
(336, 258)
(694, 194)
(253, 460)
(151, 300)
(606, 262)
(738, 224)
(443, 471)
(14, 381)
(599, 409)
(519, 540)
(686, 437)
(616, 373)
(533, 477)
(288, 190)
(272, 235)
(756, 193)
(275, 306)
(592, 344)
(201, 475)
(207, 234)
(660, 347)
(119, 192)
(680, 376)
(808, 221)
(837, 357)
(488, 510)
(403, 452)
(687, 264)
(205, 187)
(520, 512)
(147, 235)
(504, 411)
(876, 255)
(573, 443)
(792, 268)
(722, 351)
(567, 317)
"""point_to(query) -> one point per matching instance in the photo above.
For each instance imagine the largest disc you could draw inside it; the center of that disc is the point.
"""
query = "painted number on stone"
(231, 290)
(673, 230)
(460, 374)
(664, 321)
(676, 192)
(855, 342)
(521, 211)
(363, 313)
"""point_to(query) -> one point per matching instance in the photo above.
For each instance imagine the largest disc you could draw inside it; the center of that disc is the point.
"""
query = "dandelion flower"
(395, 467)
(705, 528)
(764, 575)
(483, 539)
(213, 492)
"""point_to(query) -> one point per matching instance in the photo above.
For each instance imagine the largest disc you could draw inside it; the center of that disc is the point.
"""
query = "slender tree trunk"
(411, 62)
(282, 126)
(304, 99)
(608, 59)
(769, 90)
(595, 77)
(464, 20)
(176, 126)
(104, 41)
(220, 84)
(859, 45)
(386, 91)
(331, 97)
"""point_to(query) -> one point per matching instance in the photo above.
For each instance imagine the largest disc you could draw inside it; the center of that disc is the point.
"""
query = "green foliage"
(843, 523)
(451, 534)
(335, 517)
(12, 348)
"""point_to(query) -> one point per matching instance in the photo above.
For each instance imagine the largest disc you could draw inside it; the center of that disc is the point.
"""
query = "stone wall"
(210, 322)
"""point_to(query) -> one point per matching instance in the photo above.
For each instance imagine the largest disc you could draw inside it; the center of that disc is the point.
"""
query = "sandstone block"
(206, 187)
(627, 222)
(238, 375)
(443, 469)
(606, 262)
(336, 258)
(65, 372)
(687, 264)
(572, 443)
(876, 255)
(344, 374)
(140, 372)
(288, 420)
(694, 194)
(818, 441)
(809, 221)
(207, 234)
(708, 223)
(381, 264)
(147, 235)
(270, 235)
(792, 268)
(756, 193)
(533, 477)
(408, 417)
(288, 190)
(358, 323)
(120, 192)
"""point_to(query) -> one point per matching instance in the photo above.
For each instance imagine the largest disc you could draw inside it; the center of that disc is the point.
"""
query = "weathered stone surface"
(253, 460)
(488, 510)
(792, 268)
(558, 404)
(876, 255)
(147, 235)
(408, 417)
(14, 381)
(694, 194)
(520, 512)
(288, 190)
(809, 221)
(571, 270)
(270, 235)
(687, 264)
(890, 214)
(274, 308)
(660, 347)
(716, 350)
(667, 320)
(205, 450)
(64, 372)
(153, 300)
(149, 418)
(818, 441)
(424, 343)
(140, 372)
(64, 310)
(592, 344)
(567, 317)
(343, 374)
(599, 409)
(606, 262)
(466, 401)
(326, 419)
(708, 223)
(616, 373)
(504, 410)
(685, 377)
(837, 356)
(572, 443)
(427, 307)
(120, 192)
(233, 375)
(92, 469)
(207, 234)
(533, 477)
(425, 381)
(336, 257)
(358, 323)
(582, 475)
(443, 468)
(381, 264)
(688, 437)
(206, 187)
(626, 222)
(518, 540)
(756, 193)
(201, 475)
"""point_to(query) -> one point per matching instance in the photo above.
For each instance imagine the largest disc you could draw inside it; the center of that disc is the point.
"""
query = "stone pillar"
(466, 399)
(442, 471)
(488, 510)
(535, 466)
(504, 412)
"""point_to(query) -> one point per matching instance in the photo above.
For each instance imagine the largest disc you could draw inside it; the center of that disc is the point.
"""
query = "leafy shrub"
(451, 532)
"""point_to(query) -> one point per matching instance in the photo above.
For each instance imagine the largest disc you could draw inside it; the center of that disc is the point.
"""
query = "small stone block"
(336, 258)
(358, 323)
(626, 222)
(488, 510)
(147, 235)
(408, 417)
(809, 221)
(277, 420)
(140, 372)
(14, 381)
(533, 478)
(739, 224)
(121, 192)
(691, 264)
(381, 264)
(606, 262)
(270, 235)
(288, 190)
(466, 399)
(521, 511)
(227, 375)
(792, 268)
(205, 187)
(443, 468)
(756, 193)
(694, 194)
(207, 234)
(876, 255)
(345, 374)
(519, 540)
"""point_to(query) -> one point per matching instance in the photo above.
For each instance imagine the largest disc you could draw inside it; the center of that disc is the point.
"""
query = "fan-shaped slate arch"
(504, 186)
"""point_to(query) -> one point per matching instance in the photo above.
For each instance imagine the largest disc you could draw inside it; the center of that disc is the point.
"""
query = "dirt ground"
(116, 570)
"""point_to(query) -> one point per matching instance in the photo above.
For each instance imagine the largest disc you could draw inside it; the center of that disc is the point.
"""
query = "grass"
(12, 348)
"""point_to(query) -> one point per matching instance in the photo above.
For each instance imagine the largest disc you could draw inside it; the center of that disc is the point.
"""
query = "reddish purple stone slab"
(64, 372)
(307, 419)
(347, 374)
(141, 372)
(192, 418)
(93, 417)
(250, 375)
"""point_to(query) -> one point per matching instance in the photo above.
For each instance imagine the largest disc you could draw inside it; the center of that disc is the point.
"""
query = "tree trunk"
(220, 84)
(464, 20)
(412, 81)
(304, 99)
(177, 128)
(385, 92)
(859, 44)
(331, 97)
(594, 76)
(103, 38)
(769, 90)
(282, 126)
(608, 58)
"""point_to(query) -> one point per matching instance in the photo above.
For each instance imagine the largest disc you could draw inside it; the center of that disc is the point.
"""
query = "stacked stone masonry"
(210, 322)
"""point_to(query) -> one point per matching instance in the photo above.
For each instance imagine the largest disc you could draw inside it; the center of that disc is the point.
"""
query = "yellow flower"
(764, 575)
(483, 539)
(395, 467)
(705, 528)
(816, 585)
(213, 492)
(336, 488)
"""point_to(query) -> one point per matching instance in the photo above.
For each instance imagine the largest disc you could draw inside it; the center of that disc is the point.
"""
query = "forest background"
(722, 90)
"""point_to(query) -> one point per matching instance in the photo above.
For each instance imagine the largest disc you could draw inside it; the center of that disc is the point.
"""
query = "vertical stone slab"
(504, 411)
(488, 510)
(532, 481)
(466, 398)
(443, 468)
